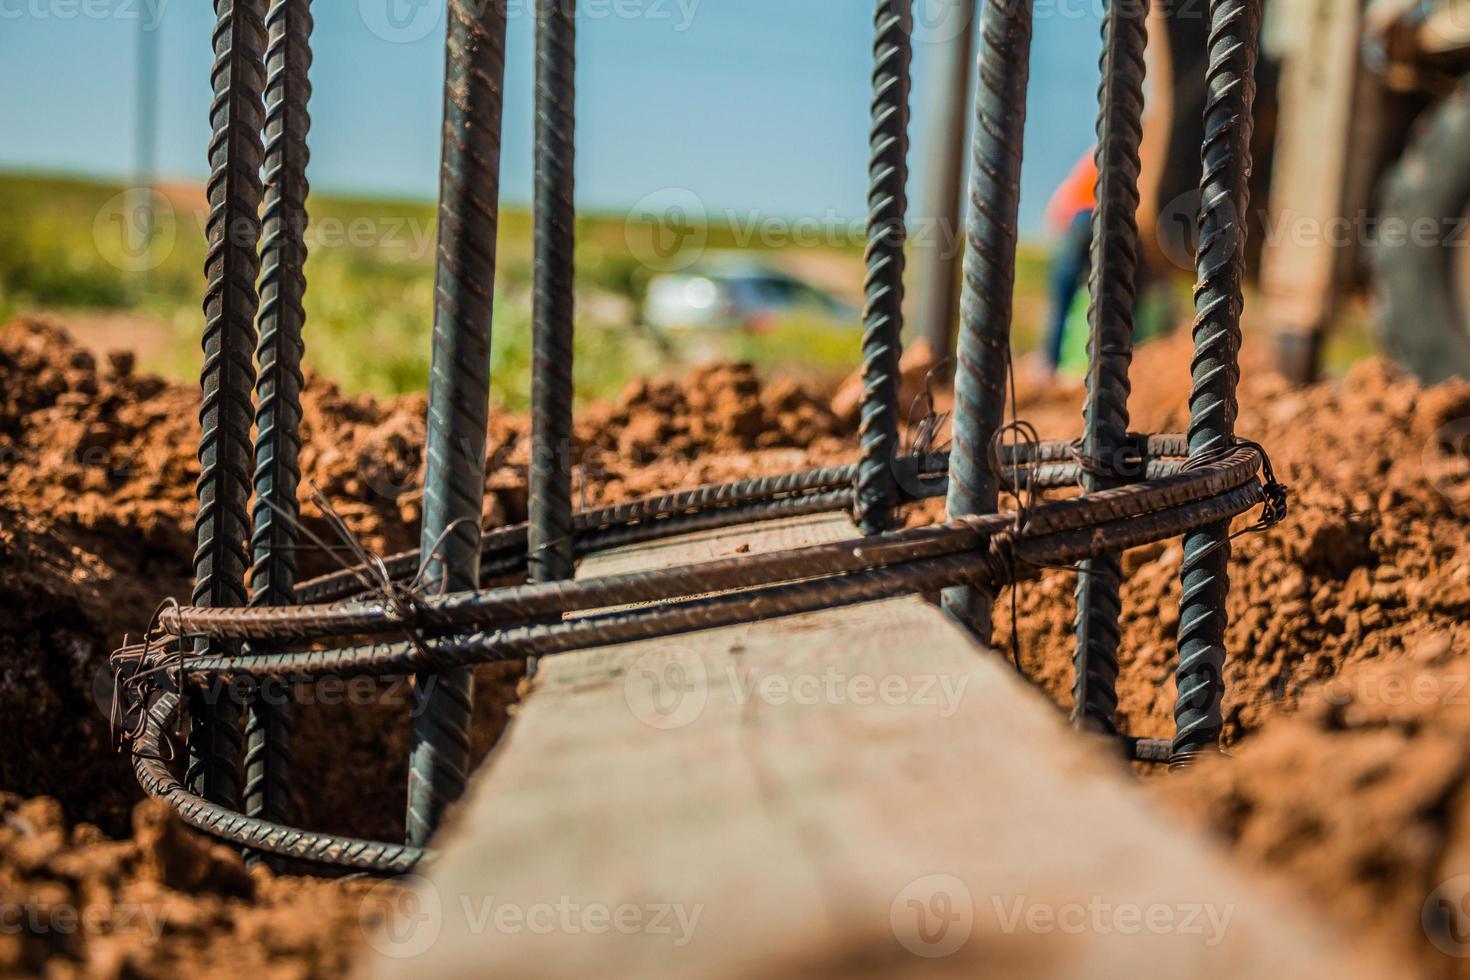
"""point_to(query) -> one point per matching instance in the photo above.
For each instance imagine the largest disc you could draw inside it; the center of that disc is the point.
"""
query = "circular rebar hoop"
(1110, 347)
(459, 386)
(550, 481)
(888, 141)
(1224, 196)
(278, 383)
(429, 612)
(990, 275)
(226, 414)
(532, 602)
(985, 552)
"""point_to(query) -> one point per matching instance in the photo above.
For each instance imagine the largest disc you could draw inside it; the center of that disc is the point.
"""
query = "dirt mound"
(96, 526)
(1348, 698)
(1348, 632)
(1370, 563)
(165, 902)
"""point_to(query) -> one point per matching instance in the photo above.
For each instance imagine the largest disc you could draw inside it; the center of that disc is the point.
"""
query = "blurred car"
(736, 293)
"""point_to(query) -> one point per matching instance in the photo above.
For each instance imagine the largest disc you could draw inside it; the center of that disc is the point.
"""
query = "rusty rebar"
(459, 386)
(278, 384)
(231, 266)
(1224, 195)
(990, 274)
(550, 481)
(1110, 347)
(888, 142)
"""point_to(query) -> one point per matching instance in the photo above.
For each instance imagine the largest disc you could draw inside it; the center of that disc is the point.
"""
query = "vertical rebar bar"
(550, 504)
(949, 107)
(278, 385)
(459, 385)
(1110, 346)
(877, 483)
(1224, 197)
(990, 271)
(228, 377)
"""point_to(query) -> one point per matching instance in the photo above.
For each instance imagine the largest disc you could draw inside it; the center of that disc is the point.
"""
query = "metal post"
(1110, 316)
(1224, 196)
(990, 273)
(278, 385)
(939, 261)
(550, 505)
(145, 144)
(877, 483)
(459, 386)
(230, 304)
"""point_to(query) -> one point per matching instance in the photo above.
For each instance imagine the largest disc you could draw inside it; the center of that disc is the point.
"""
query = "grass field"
(81, 249)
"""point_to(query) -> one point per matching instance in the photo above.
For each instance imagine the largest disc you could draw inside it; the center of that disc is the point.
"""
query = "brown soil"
(1343, 777)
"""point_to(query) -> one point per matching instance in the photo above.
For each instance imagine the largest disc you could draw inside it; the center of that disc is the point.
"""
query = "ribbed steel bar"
(990, 271)
(888, 142)
(1110, 347)
(437, 613)
(230, 305)
(1049, 464)
(550, 482)
(454, 482)
(278, 384)
(1224, 193)
(254, 833)
(1006, 559)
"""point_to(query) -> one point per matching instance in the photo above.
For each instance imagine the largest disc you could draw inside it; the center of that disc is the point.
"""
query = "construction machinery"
(1369, 180)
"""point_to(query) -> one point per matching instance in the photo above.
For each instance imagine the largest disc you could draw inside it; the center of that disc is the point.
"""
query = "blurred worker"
(1069, 219)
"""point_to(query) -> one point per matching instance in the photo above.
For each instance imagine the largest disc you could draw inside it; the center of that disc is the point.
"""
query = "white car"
(735, 295)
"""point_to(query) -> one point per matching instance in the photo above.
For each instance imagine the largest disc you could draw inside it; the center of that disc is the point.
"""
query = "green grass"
(64, 248)
(72, 246)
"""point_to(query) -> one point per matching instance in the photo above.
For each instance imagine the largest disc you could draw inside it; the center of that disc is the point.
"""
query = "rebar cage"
(430, 612)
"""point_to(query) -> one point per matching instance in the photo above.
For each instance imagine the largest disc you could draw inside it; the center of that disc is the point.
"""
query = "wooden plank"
(856, 792)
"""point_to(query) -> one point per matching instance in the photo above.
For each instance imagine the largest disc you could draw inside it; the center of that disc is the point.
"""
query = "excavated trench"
(1348, 712)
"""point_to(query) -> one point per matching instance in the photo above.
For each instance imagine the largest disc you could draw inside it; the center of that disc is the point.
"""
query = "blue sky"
(757, 105)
